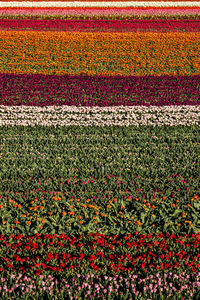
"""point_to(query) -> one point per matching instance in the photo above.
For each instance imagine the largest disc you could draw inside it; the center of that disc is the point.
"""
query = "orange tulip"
(129, 53)
(71, 213)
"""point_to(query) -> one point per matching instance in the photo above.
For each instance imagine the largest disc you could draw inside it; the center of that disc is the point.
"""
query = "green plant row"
(152, 153)
(120, 180)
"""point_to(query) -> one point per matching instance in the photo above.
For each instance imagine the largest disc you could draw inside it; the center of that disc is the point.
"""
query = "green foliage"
(100, 164)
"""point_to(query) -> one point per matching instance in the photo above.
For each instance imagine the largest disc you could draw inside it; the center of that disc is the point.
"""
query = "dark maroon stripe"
(102, 25)
(43, 90)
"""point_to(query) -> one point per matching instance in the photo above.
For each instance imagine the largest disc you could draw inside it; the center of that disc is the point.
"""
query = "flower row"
(10, 14)
(99, 53)
(136, 253)
(102, 12)
(104, 4)
(102, 25)
(46, 90)
(104, 1)
(95, 116)
(95, 286)
(42, 211)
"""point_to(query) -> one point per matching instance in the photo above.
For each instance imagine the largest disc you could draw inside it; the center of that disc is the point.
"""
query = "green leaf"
(197, 205)
(143, 216)
(176, 212)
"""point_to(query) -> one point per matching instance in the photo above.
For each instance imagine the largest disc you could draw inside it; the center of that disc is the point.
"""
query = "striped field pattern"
(99, 149)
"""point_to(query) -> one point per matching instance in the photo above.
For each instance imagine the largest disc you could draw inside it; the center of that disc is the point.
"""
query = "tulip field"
(100, 150)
